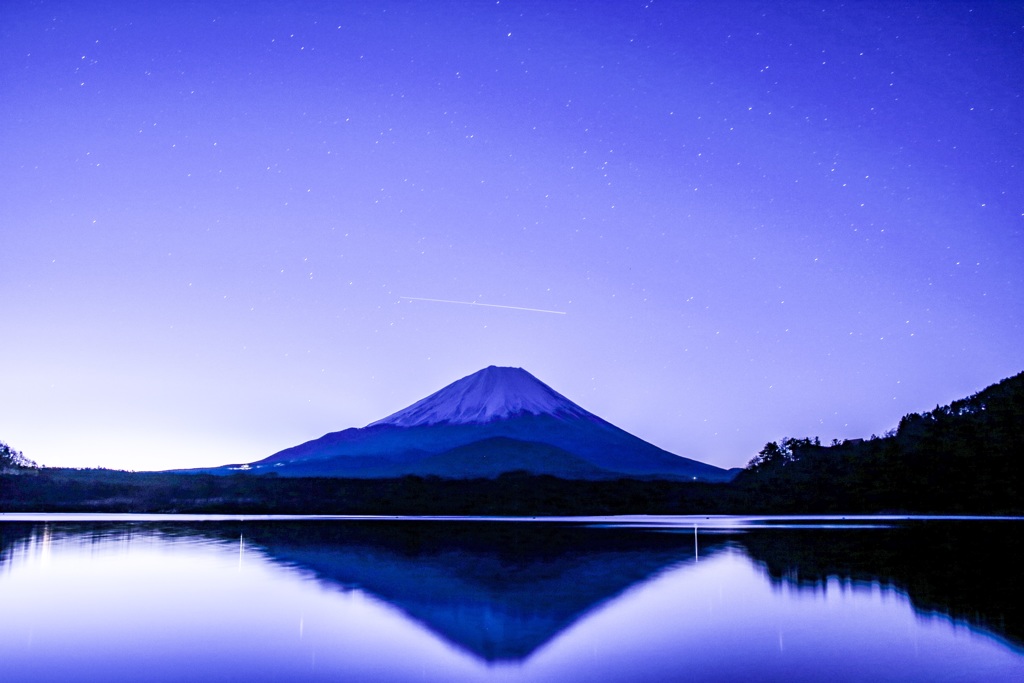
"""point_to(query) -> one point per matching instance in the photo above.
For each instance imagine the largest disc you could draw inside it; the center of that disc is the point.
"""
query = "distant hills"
(495, 421)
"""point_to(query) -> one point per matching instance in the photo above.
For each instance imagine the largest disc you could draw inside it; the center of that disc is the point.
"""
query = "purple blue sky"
(760, 219)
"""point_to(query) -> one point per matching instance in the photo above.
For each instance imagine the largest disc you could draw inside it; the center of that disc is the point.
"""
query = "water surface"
(104, 598)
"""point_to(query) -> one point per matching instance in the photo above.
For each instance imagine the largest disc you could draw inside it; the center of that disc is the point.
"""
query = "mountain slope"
(494, 403)
(497, 455)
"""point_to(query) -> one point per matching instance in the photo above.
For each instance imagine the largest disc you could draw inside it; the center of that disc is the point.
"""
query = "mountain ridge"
(492, 403)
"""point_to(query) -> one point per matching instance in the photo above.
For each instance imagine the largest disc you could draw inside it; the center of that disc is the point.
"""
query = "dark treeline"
(964, 458)
(517, 493)
(60, 490)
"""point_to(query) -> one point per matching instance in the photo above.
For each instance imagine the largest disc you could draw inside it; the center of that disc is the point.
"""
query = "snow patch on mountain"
(488, 395)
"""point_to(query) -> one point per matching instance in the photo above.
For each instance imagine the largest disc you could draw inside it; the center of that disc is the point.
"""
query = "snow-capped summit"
(487, 395)
(495, 421)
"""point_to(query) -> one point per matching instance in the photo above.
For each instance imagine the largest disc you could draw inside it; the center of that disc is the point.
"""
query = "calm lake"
(180, 598)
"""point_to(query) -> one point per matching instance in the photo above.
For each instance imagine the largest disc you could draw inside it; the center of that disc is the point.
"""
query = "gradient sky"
(760, 219)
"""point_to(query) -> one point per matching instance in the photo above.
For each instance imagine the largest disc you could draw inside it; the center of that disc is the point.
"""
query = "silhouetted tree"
(779, 455)
(12, 459)
(768, 456)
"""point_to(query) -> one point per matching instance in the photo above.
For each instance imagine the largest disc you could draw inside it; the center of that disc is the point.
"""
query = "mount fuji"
(494, 421)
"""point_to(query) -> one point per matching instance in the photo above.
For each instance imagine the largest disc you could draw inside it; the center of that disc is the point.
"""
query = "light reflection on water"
(440, 601)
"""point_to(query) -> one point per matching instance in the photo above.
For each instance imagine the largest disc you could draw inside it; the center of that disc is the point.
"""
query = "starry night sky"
(760, 219)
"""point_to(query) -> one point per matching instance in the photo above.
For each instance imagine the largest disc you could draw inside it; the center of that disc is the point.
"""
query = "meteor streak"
(476, 303)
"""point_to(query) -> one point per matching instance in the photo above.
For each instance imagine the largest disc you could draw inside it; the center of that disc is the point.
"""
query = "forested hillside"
(964, 457)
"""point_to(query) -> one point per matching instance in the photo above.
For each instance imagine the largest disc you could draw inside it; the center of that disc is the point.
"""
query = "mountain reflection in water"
(503, 590)
(497, 589)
